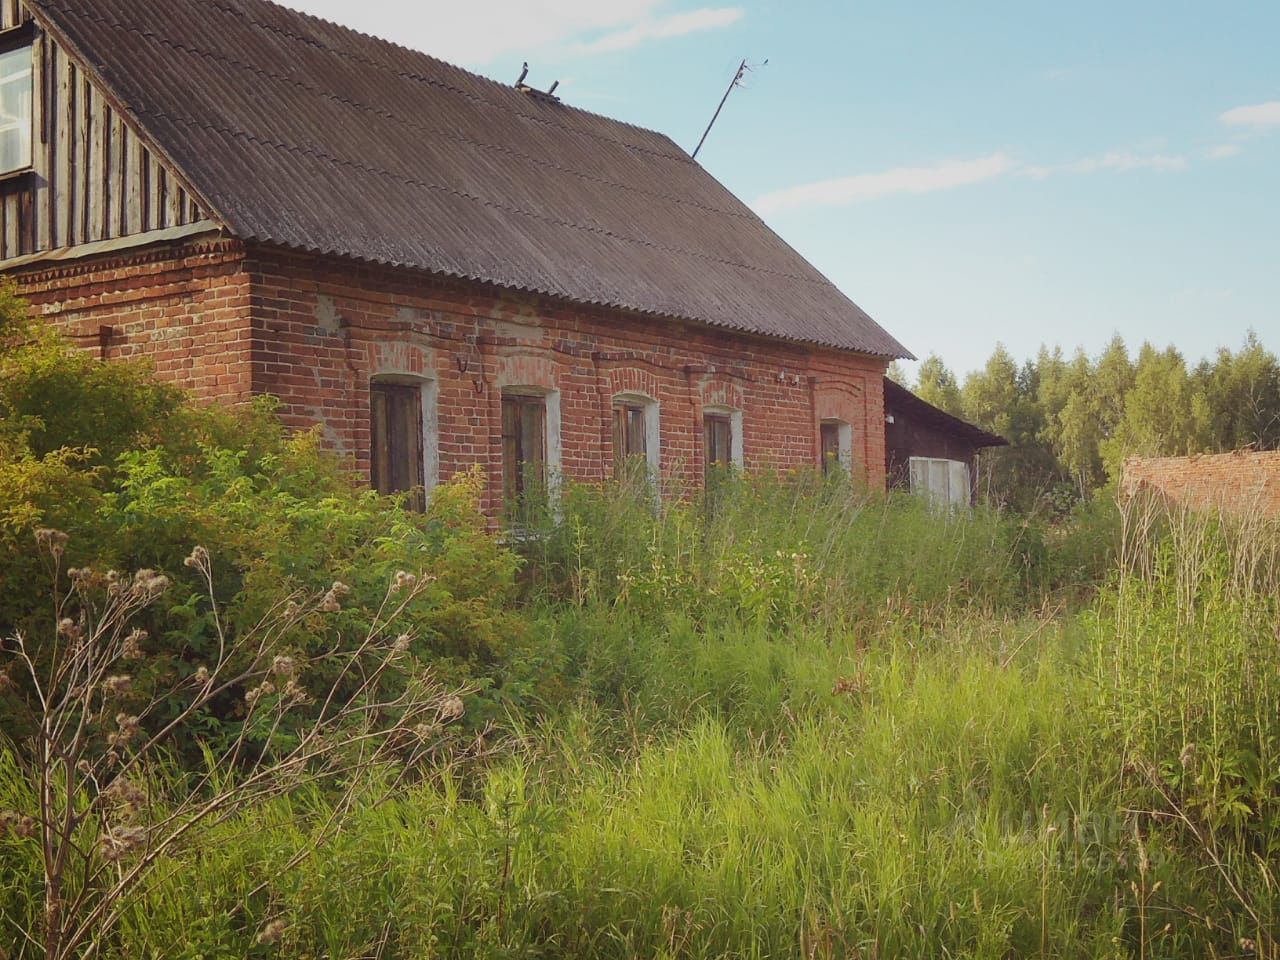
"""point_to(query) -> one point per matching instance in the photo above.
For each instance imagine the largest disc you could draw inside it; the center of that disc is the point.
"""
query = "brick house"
(440, 270)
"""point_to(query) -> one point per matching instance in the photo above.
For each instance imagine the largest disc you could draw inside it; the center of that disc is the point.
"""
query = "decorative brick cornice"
(179, 252)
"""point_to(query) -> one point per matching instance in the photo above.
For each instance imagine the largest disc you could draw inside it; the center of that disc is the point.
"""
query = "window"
(945, 482)
(396, 437)
(719, 431)
(722, 430)
(836, 442)
(16, 96)
(630, 434)
(830, 446)
(524, 445)
(635, 434)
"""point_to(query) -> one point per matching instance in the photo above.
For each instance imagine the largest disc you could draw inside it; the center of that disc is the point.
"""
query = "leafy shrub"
(137, 475)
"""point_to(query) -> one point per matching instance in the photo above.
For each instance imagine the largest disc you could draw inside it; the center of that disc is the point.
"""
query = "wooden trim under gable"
(122, 109)
(96, 175)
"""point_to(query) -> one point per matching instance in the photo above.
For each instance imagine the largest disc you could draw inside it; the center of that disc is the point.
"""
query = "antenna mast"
(737, 78)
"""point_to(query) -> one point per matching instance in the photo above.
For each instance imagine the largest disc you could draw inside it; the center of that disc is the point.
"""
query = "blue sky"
(1024, 172)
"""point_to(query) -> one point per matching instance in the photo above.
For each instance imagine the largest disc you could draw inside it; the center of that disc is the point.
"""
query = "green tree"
(937, 385)
(1112, 378)
(1242, 391)
(1164, 412)
(1002, 398)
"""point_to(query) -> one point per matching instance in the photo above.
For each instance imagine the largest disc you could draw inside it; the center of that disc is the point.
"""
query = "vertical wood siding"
(14, 14)
(93, 178)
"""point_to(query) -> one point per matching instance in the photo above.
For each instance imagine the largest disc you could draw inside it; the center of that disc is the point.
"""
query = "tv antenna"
(537, 94)
(739, 75)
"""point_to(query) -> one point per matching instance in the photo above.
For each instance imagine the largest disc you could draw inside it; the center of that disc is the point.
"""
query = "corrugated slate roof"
(299, 132)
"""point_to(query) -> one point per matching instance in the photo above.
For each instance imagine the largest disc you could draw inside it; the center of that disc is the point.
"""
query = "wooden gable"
(93, 177)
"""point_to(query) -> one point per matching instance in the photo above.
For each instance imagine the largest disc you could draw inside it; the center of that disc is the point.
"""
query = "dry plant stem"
(83, 766)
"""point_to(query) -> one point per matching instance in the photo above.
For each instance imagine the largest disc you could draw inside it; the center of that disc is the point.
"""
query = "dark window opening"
(524, 446)
(629, 435)
(830, 436)
(396, 437)
(719, 440)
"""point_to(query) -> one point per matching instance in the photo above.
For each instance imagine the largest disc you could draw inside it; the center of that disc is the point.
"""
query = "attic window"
(17, 93)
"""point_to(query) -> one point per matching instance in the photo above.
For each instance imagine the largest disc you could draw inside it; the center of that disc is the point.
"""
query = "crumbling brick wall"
(1243, 480)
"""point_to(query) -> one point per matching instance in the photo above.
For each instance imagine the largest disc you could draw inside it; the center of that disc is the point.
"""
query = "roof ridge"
(817, 280)
(680, 157)
(397, 119)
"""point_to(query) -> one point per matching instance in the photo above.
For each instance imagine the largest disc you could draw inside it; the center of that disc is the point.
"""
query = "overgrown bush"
(92, 802)
(137, 475)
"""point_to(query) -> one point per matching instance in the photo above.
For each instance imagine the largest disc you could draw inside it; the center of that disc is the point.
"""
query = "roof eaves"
(897, 393)
(560, 295)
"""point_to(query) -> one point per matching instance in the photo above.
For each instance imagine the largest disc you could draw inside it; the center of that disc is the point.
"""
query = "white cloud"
(477, 32)
(872, 186)
(673, 25)
(1116, 161)
(1224, 150)
(1258, 115)
(1124, 162)
(842, 191)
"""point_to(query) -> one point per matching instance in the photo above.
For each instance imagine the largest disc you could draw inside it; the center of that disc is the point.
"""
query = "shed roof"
(899, 398)
(298, 132)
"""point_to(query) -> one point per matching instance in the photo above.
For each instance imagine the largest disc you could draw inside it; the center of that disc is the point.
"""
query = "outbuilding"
(929, 451)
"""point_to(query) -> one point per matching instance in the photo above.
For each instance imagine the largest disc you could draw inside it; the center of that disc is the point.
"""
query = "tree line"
(1072, 421)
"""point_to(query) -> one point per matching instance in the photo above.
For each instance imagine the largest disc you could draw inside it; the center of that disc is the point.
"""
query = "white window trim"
(551, 398)
(735, 429)
(25, 126)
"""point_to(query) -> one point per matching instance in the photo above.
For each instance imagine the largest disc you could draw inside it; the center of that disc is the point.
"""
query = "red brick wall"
(1242, 480)
(228, 321)
(183, 308)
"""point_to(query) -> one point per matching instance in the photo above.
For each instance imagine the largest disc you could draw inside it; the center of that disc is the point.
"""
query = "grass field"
(801, 724)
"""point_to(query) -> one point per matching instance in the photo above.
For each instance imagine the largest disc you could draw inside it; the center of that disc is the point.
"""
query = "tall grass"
(1188, 672)
(776, 550)
(801, 723)
(828, 836)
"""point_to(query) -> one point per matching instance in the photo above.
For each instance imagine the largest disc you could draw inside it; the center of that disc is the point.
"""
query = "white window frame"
(16, 123)
(551, 401)
(652, 426)
(735, 429)
(956, 474)
(844, 440)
